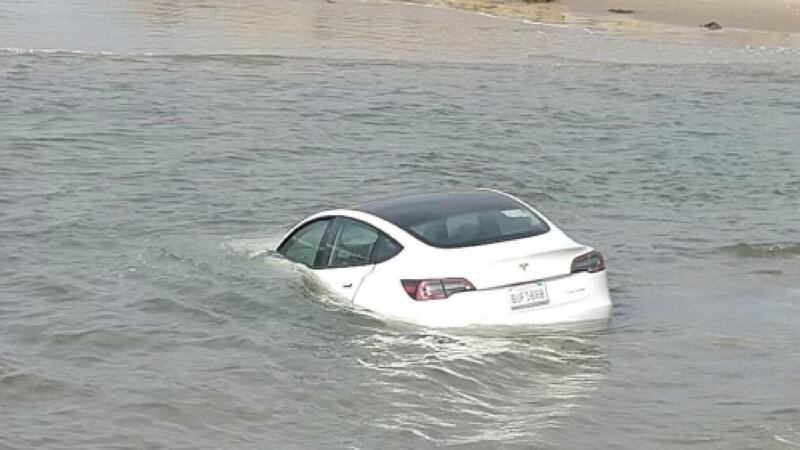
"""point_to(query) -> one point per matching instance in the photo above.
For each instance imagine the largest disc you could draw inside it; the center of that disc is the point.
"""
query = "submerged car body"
(453, 259)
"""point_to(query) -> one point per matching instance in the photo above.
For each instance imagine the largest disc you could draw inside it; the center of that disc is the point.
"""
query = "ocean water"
(149, 149)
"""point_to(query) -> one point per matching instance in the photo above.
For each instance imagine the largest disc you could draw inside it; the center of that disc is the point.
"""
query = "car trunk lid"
(513, 262)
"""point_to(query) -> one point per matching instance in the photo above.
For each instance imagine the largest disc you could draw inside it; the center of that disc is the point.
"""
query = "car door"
(345, 256)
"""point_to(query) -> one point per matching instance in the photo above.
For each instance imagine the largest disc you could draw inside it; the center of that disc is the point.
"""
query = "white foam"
(252, 247)
(55, 51)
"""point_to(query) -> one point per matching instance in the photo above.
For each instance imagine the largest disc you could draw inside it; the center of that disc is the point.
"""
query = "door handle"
(348, 285)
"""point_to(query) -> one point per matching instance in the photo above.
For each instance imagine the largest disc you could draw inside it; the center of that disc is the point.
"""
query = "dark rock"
(622, 11)
(712, 26)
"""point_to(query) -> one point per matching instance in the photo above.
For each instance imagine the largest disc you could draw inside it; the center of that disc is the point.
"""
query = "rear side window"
(353, 244)
(479, 227)
(385, 249)
(303, 244)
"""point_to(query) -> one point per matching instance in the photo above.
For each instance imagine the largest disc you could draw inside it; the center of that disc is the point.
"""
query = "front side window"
(302, 246)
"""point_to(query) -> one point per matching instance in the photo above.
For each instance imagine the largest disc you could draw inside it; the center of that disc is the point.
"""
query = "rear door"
(345, 256)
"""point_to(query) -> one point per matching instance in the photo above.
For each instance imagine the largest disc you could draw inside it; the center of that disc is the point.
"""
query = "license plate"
(528, 296)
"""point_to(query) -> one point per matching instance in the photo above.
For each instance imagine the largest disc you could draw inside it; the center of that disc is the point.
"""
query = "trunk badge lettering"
(524, 267)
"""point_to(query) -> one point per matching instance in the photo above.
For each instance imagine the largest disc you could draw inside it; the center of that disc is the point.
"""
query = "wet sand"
(767, 21)
(781, 16)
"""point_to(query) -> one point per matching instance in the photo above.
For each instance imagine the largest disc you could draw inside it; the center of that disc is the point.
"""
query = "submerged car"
(453, 259)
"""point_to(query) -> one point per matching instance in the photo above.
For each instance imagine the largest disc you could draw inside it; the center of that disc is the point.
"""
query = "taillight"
(590, 262)
(434, 289)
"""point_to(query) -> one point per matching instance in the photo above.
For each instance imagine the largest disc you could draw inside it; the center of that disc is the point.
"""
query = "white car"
(453, 259)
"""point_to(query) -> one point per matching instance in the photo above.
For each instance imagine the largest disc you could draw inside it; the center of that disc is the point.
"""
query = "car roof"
(412, 209)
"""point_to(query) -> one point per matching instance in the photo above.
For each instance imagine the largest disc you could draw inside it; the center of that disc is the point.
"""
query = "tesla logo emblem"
(524, 267)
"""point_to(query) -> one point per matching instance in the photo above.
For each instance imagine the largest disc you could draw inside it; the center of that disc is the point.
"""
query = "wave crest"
(749, 250)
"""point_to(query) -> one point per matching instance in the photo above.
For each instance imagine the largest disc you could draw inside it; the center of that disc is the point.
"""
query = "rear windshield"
(460, 219)
(478, 227)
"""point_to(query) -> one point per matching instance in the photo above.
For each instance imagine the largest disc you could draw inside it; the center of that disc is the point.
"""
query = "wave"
(165, 54)
(748, 250)
(507, 389)
(54, 51)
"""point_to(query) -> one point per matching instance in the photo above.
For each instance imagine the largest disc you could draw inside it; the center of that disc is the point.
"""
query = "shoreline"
(770, 16)
(768, 22)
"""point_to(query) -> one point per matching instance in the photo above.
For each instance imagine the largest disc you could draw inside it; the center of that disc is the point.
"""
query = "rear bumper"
(573, 298)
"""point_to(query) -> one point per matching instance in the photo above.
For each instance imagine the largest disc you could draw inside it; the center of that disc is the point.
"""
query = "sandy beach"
(766, 20)
(781, 16)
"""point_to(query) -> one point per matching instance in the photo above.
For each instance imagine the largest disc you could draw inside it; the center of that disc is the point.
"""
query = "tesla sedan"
(453, 259)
